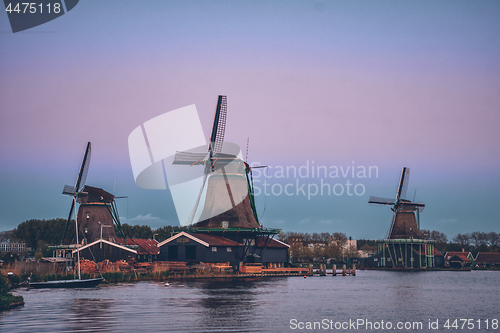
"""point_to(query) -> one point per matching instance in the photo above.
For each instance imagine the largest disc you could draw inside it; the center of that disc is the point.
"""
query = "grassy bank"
(7, 300)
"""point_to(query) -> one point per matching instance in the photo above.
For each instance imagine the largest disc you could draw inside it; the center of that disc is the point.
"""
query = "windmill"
(96, 207)
(404, 224)
(224, 207)
(228, 194)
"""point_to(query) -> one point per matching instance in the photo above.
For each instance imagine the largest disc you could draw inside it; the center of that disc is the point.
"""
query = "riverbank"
(161, 276)
(409, 269)
(157, 272)
(7, 300)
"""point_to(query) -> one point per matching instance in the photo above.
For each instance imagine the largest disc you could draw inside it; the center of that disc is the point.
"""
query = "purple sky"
(386, 84)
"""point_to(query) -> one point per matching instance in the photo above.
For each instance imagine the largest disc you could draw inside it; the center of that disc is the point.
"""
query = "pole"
(77, 243)
(100, 224)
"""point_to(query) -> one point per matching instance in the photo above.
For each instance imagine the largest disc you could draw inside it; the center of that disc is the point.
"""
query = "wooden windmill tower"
(97, 213)
(404, 224)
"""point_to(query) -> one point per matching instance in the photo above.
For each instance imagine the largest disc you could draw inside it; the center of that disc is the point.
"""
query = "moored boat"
(77, 283)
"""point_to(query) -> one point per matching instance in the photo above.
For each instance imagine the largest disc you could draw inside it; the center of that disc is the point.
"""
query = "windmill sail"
(189, 158)
(80, 183)
(173, 145)
(214, 147)
(404, 224)
(381, 201)
(403, 184)
(224, 192)
(219, 126)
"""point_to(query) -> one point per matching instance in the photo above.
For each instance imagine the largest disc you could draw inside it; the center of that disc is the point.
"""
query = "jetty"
(322, 271)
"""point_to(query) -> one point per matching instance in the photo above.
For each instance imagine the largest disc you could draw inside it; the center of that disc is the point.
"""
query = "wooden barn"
(488, 259)
(207, 247)
(198, 248)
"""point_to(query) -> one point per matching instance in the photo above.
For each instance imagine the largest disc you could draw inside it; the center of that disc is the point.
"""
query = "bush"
(4, 285)
(38, 256)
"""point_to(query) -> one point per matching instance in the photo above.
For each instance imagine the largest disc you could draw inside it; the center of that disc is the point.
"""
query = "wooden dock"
(256, 269)
(322, 271)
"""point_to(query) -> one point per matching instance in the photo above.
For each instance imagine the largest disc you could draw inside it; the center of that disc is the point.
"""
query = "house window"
(229, 249)
(225, 224)
(214, 249)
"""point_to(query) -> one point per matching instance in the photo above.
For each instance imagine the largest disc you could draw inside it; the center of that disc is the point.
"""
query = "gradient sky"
(337, 83)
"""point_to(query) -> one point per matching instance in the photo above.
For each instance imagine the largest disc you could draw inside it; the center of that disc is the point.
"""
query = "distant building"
(458, 259)
(12, 247)
(487, 259)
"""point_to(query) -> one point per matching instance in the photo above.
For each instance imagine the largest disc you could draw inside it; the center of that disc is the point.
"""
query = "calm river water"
(269, 305)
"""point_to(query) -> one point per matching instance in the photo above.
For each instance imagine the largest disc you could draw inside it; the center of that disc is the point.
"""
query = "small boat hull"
(88, 283)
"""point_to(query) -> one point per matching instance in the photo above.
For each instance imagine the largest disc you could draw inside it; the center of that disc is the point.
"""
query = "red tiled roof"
(488, 257)
(462, 255)
(144, 246)
(435, 252)
(213, 240)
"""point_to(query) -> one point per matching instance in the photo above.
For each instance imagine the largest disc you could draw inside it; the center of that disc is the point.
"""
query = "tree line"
(305, 247)
(320, 246)
(38, 234)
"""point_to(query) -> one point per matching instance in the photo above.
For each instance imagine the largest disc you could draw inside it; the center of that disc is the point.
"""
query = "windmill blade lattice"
(219, 125)
(381, 201)
(214, 147)
(189, 158)
(80, 184)
(403, 184)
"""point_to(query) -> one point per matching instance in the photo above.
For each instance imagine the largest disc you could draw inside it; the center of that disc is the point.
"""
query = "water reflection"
(229, 304)
(92, 315)
(263, 305)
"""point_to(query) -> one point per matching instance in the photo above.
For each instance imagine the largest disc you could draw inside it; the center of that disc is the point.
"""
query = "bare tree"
(463, 240)
(479, 239)
(493, 239)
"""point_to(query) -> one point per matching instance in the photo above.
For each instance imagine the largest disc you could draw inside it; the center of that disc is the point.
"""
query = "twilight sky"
(334, 84)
